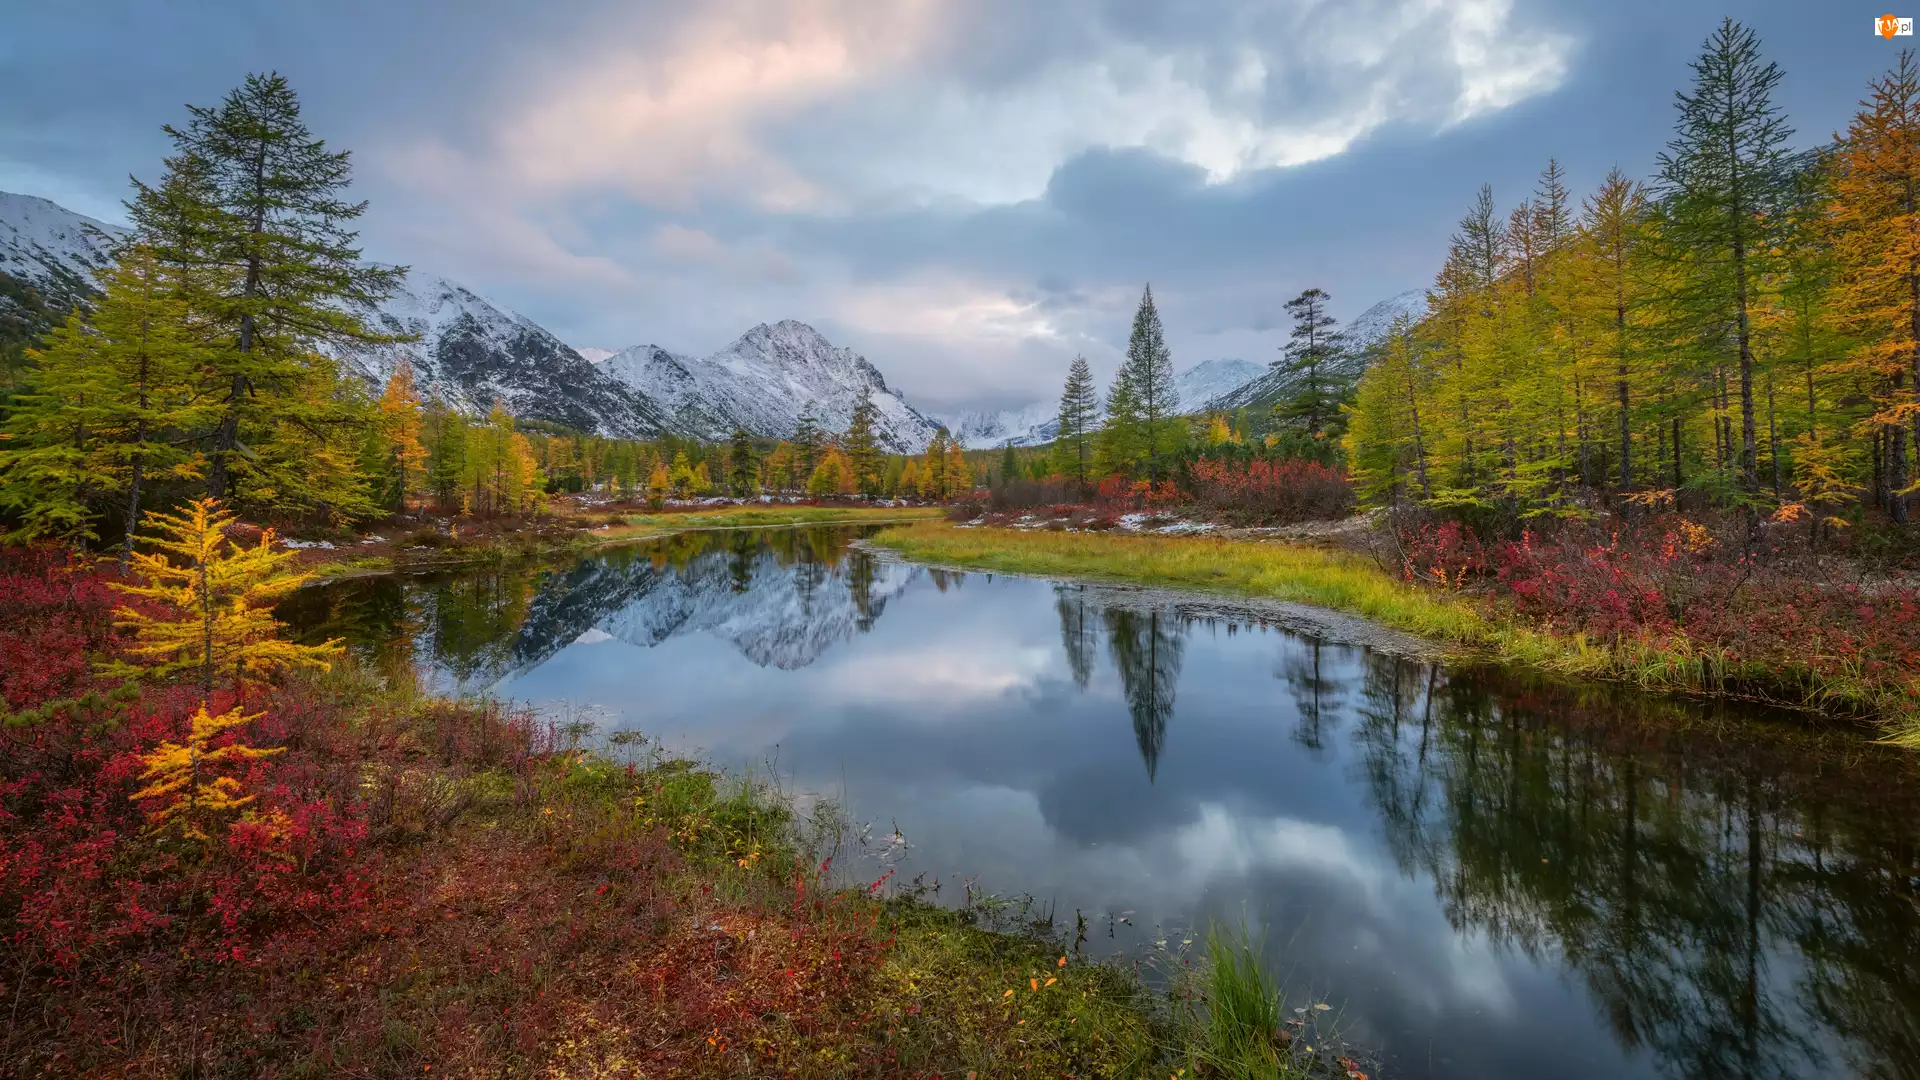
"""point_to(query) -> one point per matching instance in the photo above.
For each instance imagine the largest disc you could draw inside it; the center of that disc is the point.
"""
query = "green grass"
(1230, 1019)
(1476, 629)
(1304, 575)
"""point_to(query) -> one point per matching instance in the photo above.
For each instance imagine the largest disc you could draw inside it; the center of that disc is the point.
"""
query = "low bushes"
(1269, 491)
(1772, 618)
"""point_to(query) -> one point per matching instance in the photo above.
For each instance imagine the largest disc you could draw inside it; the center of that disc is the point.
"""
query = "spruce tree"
(807, 439)
(863, 456)
(1009, 466)
(1079, 413)
(1311, 352)
(1148, 372)
(1722, 180)
(742, 470)
(1122, 446)
(252, 209)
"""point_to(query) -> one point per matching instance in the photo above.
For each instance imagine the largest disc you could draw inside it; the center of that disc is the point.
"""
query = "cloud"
(822, 105)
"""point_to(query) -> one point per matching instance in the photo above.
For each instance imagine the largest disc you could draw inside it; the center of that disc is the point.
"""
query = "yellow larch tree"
(401, 423)
(1876, 215)
(215, 600)
(179, 775)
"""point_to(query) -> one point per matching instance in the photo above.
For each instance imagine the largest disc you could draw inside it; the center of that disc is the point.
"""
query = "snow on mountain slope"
(50, 246)
(470, 353)
(593, 355)
(1029, 426)
(764, 382)
(1370, 326)
(1366, 331)
(1209, 379)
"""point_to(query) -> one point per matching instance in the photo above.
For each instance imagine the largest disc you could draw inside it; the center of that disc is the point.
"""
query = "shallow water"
(1489, 876)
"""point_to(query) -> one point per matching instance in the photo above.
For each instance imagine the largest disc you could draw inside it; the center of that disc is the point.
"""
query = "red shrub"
(1279, 492)
(1447, 554)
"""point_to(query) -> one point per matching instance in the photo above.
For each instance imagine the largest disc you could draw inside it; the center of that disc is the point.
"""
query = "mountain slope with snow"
(1209, 379)
(764, 382)
(48, 258)
(1029, 426)
(52, 248)
(470, 353)
(1361, 336)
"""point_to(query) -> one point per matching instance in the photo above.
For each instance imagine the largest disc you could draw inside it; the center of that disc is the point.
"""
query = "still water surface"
(1490, 876)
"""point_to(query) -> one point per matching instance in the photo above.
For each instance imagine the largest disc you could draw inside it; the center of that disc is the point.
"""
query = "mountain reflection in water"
(1490, 875)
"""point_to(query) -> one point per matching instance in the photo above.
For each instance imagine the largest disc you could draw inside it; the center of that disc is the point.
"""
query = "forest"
(1738, 330)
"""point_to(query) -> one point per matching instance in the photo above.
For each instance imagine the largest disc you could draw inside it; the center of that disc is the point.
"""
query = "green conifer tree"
(743, 472)
(251, 208)
(1079, 413)
(1721, 179)
(1149, 375)
(1312, 351)
(863, 456)
(96, 422)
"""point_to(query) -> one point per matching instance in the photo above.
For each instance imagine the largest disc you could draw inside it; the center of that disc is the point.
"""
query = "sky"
(968, 192)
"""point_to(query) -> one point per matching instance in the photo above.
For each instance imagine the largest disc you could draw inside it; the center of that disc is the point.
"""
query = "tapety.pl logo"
(1892, 26)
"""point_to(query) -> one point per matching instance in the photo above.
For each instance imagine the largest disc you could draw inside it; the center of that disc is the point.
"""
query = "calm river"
(1488, 876)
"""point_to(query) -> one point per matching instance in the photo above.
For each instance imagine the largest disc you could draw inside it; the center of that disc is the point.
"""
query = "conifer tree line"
(1742, 326)
(203, 368)
(1141, 431)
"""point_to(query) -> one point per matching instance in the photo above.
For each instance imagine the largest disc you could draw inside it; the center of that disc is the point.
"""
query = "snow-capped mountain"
(48, 257)
(593, 355)
(470, 353)
(1209, 379)
(1029, 426)
(764, 382)
(1370, 326)
(1361, 336)
(51, 247)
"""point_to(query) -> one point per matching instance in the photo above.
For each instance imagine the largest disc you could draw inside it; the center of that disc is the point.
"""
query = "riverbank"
(438, 544)
(1475, 627)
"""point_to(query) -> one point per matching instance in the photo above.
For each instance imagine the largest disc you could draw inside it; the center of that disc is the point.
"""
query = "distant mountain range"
(470, 353)
(1362, 334)
(765, 381)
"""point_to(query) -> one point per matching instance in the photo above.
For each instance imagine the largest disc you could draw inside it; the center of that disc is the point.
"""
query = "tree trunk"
(1678, 479)
(1773, 439)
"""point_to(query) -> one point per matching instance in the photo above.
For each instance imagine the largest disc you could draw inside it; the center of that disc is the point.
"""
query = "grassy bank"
(1479, 628)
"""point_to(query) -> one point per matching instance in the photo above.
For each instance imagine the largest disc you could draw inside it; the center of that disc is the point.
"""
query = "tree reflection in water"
(1739, 899)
